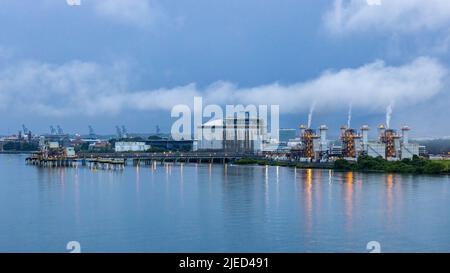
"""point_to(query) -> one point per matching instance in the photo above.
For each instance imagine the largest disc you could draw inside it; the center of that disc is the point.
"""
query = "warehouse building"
(126, 146)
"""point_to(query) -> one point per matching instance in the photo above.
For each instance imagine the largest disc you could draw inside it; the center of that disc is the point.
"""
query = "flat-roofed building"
(234, 134)
(126, 146)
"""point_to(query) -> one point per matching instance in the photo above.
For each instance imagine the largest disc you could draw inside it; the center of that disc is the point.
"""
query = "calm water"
(212, 208)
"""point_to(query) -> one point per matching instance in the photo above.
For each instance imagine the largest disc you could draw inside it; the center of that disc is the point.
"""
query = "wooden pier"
(52, 162)
(93, 163)
(174, 157)
(118, 161)
(105, 163)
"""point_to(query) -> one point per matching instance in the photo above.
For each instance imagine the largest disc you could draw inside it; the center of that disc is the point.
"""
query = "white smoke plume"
(349, 117)
(83, 88)
(310, 114)
(389, 115)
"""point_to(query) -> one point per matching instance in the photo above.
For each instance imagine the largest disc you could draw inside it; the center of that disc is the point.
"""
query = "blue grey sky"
(109, 62)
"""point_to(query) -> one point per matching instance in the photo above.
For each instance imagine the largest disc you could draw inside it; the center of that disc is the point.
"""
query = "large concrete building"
(233, 134)
(408, 150)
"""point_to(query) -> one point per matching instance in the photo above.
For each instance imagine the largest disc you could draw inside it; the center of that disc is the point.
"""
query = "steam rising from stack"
(311, 111)
(349, 119)
(388, 116)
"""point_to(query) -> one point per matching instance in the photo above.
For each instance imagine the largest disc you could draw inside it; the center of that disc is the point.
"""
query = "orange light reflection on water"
(308, 200)
(348, 197)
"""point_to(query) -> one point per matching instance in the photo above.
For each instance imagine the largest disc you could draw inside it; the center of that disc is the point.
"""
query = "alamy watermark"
(373, 247)
(237, 122)
(73, 247)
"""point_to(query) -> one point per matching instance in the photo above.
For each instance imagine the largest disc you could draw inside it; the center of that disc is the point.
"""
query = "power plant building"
(376, 149)
(389, 145)
(312, 146)
(233, 134)
(408, 150)
(351, 143)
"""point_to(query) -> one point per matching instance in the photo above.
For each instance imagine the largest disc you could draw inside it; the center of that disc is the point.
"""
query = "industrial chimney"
(302, 130)
(405, 134)
(381, 131)
(323, 136)
(365, 136)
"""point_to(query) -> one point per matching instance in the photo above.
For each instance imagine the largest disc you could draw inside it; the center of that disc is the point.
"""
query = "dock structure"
(176, 157)
(118, 161)
(74, 162)
(52, 162)
(104, 163)
(92, 163)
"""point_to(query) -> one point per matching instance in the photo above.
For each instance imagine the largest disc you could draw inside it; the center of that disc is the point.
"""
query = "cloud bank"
(348, 16)
(88, 89)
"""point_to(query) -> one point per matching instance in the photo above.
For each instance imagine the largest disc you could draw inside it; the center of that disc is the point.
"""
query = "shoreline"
(343, 171)
(17, 152)
(352, 167)
(302, 165)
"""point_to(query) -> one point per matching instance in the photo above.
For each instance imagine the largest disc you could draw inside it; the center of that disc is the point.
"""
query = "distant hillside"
(436, 146)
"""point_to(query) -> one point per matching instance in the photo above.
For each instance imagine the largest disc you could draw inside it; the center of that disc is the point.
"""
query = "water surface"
(219, 208)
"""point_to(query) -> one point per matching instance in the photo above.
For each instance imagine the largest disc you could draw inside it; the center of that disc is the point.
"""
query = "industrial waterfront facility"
(238, 136)
(390, 145)
(248, 135)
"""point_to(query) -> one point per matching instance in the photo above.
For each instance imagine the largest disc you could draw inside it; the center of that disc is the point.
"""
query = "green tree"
(432, 167)
(342, 164)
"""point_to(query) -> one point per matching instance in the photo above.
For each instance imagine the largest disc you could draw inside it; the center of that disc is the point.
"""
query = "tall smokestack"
(323, 136)
(388, 116)
(365, 136)
(381, 130)
(405, 134)
(343, 129)
(302, 130)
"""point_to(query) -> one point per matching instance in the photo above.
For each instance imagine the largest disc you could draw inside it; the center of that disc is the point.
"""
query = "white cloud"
(70, 89)
(141, 13)
(393, 15)
(372, 87)
(79, 88)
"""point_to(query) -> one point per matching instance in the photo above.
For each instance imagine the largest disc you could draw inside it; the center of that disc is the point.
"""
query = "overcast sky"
(114, 62)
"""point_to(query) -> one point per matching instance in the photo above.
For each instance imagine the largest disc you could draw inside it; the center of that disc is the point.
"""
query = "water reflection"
(348, 197)
(389, 197)
(77, 197)
(138, 180)
(318, 181)
(308, 200)
(277, 181)
(266, 186)
(203, 207)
